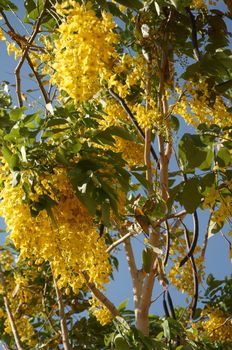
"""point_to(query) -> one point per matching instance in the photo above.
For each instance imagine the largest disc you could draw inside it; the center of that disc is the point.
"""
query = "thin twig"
(25, 54)
(63, 321)
(119, 241)
(4, 346)
(37, 76)
(133, 120)
(205, 242)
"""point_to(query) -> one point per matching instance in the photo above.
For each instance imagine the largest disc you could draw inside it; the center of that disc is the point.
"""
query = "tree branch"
(63, 321)
(100, 296)
(17, 38)
(133, 120)
(136, 275)
(25, 54)
(119, 241)
(9, 313)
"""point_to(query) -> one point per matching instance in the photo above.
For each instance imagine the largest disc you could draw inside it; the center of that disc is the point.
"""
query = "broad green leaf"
(166, 328)
(16, 113)
(175, 124)
(224, 157)
(8, 5)
(190, 197)
(29, 5)
(123, 305)
(192, 151)
(12, 159)
(105, 209)
(121, 132)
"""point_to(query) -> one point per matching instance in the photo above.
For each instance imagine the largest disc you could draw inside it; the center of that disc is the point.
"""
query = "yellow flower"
(11, 48)
(2, 36)
(84, 50)
(100, 311)
(69, 240)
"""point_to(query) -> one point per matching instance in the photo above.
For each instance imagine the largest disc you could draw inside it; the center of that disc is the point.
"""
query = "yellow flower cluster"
(12, 48)
(100, 311)
(147, 118)
(128, 71)
(2, 36)
(132, 152)
(114, 115)
(84, 50)
(222, 210)
(24, 328)
(201, 4)
(219, 325)
(182, 277)
(196, 108)
(67, 239)
(6, 259)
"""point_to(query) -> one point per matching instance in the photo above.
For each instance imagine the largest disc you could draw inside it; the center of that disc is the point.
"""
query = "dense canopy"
(119, 140)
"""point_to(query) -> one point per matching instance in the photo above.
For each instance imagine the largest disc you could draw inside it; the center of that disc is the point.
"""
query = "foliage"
(127, 135)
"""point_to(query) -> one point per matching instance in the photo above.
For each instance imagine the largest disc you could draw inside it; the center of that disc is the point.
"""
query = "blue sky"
(217, 256)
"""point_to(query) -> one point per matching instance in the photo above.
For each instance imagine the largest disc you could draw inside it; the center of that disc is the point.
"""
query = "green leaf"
(193, 152)
(106, 212)
(8, 5)
(12, 159)
(121, 132)
(207, 182)
(166, 328)
(16, 113)
(56, 121)
(223, 157)
(123, 305)
(190, 197)
(175, 124)
(29, 5)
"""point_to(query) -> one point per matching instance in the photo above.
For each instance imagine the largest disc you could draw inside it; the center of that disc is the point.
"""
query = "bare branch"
(205, 243)
(24, 44)
(25, 54)
(119, 241)
(100, 296)
(63, 321)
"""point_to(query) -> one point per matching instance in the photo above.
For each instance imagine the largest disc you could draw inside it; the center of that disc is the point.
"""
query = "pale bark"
(63, 321)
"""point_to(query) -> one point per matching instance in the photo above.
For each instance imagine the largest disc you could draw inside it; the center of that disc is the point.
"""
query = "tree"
(108, 156)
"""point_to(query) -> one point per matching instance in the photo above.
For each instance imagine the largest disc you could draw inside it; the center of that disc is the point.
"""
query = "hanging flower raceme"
(84, 50)
(67, 238)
